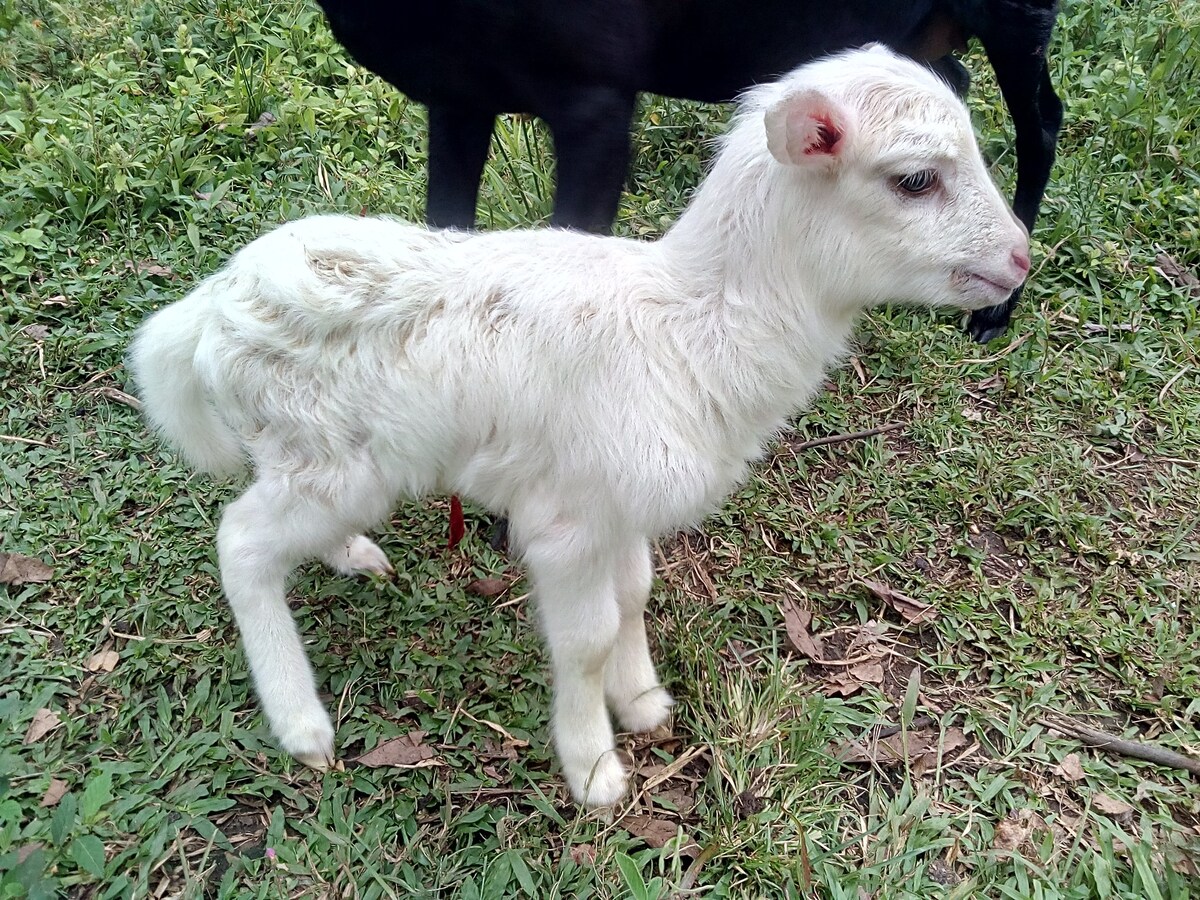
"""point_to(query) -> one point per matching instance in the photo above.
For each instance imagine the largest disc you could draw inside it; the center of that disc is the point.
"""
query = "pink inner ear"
(827, 138)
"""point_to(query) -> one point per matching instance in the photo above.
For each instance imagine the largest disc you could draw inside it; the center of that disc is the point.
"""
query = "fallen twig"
(841, 438)
(23, 440)
(1090, 737)
(119, 396)
(199, 637)
(672, 769)
(1179, 461)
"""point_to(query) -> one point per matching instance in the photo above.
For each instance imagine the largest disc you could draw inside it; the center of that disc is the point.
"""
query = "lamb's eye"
(918, 183)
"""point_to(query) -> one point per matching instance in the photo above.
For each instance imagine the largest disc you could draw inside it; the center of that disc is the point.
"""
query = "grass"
(1041, 496)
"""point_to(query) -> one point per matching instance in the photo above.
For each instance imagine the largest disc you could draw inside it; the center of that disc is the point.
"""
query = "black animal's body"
(579, 65)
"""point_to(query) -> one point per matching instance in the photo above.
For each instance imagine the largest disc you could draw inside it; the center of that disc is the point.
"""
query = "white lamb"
(597, 391)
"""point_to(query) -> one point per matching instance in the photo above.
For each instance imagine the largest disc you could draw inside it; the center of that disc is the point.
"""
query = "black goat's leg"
(1032, 179)
(1037, 116)
(458, 148)
(591, 142)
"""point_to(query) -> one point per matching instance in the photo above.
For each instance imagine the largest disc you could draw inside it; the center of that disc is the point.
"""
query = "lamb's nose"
(1021, 260)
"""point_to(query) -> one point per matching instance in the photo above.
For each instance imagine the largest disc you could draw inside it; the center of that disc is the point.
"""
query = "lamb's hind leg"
(359, 554)
(630, 682)
(574, 584)
(263, 536)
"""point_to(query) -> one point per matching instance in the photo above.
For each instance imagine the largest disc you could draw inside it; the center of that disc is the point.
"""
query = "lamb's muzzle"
(603, 391)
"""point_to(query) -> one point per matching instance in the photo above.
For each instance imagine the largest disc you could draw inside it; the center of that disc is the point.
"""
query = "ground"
(881, 647)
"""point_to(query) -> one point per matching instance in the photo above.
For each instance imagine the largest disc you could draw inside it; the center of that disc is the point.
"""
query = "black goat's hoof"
(498, 535)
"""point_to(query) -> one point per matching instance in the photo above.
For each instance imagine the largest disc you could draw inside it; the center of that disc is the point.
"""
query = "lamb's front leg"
(576, 596)
(263, 535)
(640, 702)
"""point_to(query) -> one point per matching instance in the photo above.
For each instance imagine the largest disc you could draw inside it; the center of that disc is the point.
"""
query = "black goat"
(579, 65)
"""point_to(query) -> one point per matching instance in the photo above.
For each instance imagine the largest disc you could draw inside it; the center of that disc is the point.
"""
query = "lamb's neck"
(765, 313)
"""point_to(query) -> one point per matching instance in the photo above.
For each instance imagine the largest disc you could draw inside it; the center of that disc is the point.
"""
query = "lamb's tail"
(174, 399)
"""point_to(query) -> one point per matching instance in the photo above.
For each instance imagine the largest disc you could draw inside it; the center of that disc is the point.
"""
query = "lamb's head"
(885, 152)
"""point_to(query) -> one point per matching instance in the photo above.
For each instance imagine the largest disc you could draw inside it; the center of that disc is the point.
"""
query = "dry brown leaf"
(889, 750)
(406, 750)
(104, 661)
(17, 569)
(1016, 829)
(991, 383)
(918, 747)
(487, 587)
(1177, 274)
(151, 267)
(54, 793)
(499, 750)
(868, 672)
(680, 798)
(859, 370)
(1010, 834)
(911, 610)
(651, 770)
(796, 622)
(44, 722)
(1111, 806)
(852, 680)
(954, 740)
(583, 854)
(867, 636)
(655, 832)
(1069, 768)
(840, 687)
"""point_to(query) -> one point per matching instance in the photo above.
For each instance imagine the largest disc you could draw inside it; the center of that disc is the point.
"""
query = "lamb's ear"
(808, 128)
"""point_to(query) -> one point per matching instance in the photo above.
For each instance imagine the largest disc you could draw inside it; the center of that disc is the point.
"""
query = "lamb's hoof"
(602, 784)
(322, 762)
(310, 742)
(646, 712)
(360, 554)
